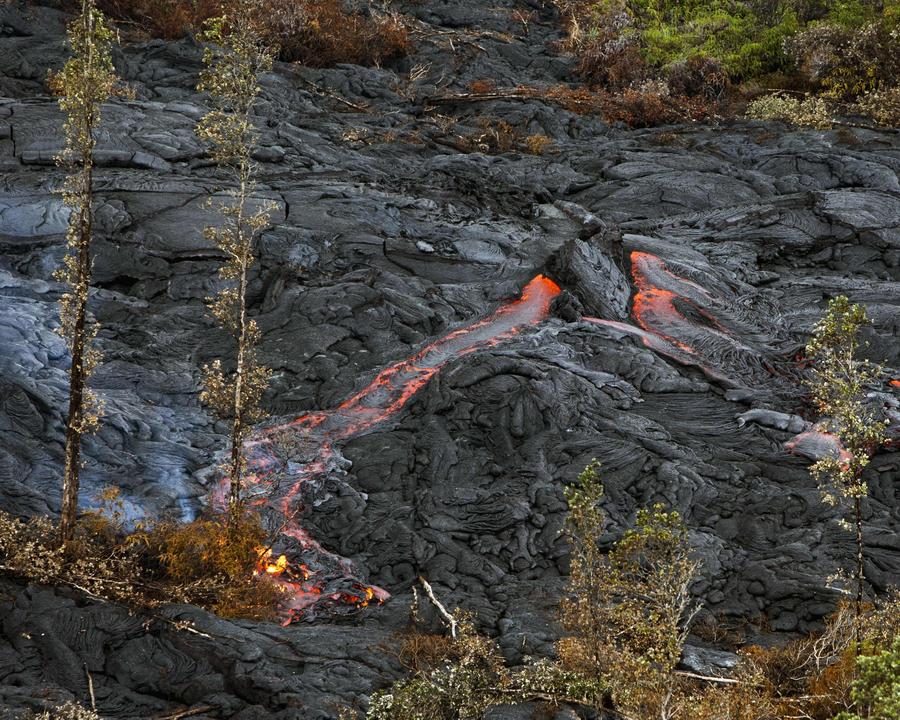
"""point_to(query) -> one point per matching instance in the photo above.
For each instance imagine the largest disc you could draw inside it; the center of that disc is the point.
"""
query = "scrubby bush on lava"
(627, 611)
(208, 562)
(68, 711)
(318, 33)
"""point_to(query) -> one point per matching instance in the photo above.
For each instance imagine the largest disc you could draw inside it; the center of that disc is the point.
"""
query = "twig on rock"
(187, 713)
(451, 621)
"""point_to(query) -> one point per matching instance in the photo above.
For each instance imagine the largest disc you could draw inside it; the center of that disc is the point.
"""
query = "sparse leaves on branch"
(235, 58)
(838, 385)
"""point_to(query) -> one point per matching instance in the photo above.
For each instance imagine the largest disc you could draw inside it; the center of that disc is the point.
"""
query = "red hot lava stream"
(661, 326)
(308, 573)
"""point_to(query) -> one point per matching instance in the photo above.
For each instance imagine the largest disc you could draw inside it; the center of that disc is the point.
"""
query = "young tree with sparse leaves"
(86, 81)
(235, 58)
(838, 384)
(628, 611)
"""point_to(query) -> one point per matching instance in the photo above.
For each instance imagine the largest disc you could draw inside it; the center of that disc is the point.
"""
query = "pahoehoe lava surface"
(692, 262)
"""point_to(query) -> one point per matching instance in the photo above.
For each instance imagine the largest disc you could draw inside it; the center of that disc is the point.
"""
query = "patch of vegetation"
(628, 612)
(839, 49)
(876, 691)
(317, 33)
(839, 383)
(209, 562)
(68, 711)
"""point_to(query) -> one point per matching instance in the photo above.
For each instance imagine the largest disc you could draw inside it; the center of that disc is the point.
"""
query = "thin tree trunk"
(74, 424)
(237, 428)
(860, 571)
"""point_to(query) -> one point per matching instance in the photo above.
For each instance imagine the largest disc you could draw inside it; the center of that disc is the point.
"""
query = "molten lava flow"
(895, 382)
(659, 305)
(277, 477)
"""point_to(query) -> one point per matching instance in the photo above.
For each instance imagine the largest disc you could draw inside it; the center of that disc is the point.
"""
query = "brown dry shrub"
(206, 548)
(204, 562)
(480, 87)
(599, 39)
(698, 77)
(322, 33)
(422, 652)
(253, 598)
(317, 33)
(537, 144)
(167, 19)
(640, 108)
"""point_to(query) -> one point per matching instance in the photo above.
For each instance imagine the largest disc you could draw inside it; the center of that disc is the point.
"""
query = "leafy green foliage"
(876, 691)
(664, 34)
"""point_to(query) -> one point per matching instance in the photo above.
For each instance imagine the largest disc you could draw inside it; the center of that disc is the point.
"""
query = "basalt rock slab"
(691, 262)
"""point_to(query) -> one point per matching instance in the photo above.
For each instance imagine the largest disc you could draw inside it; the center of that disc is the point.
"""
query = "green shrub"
(627, 612)
(876, 691)
(808, 112)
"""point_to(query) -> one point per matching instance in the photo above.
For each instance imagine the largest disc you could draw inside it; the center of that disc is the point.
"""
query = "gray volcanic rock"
(693, 262)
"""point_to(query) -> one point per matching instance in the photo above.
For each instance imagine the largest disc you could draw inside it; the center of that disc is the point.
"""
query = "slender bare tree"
(235, 58)
(838, 385)
(84, 83)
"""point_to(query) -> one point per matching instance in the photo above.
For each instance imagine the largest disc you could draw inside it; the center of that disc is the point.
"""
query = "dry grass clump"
(207, 562)
(317, 33)
(68, 711)
(883, 106)
(320, 33)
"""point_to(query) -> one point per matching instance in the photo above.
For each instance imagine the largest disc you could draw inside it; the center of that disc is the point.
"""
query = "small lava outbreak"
(286, 456)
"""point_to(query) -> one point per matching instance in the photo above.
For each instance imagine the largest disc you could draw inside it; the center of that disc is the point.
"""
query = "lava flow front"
(286, 457)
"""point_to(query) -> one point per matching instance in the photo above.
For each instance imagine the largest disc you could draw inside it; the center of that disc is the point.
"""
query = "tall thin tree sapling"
(235, 58)
(84, 83)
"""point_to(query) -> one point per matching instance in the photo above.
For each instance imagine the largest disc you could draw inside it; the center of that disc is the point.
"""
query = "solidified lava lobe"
(309, 574)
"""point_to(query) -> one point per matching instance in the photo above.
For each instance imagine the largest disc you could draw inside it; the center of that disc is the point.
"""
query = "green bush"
(876, 691)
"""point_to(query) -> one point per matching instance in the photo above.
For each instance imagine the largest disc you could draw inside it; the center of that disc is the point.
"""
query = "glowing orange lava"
(314, 438)
(895, 383)
(655, 313)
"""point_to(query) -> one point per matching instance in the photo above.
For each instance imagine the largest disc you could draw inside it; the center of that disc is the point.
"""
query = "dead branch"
(451, 621)
(707, 678)
(187, 713)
